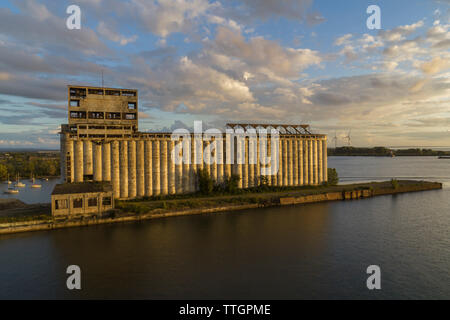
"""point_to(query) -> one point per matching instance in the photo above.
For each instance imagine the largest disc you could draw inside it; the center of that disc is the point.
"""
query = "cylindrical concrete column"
(123, 158)
(251, 162)
(300, 161)
(239, 160)
(186, 170)
(178, 153)
(171, 173)
(214, 159)
(164, 168)
(263, 157)
(290, 162)
(316, 162)
(140, 164)
(228, 157)
(220, 160)
(269, 168)
(97, 162)
(148, 168)
(193, 167)
(245, 164)
(79, 161)
(295, 163)
(325, 160)
(132, 169)
(319, 161)
(69, 160)
(280, 163)
(285, 163)
(87, 154)
(106, 161)
(311, 161)
(306, 161)
(275, 160)
(258, 162)
(115, 164)
(156, 167)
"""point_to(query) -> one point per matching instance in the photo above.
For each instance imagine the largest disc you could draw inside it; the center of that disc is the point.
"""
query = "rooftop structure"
(102, 112)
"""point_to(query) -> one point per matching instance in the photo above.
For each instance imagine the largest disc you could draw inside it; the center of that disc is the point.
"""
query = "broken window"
(130, 116)
(129, 93)
(95, 91)
(77, 92)
(132, 105)
(96, 115)
(78, 203)
(113, 92)
(106, 201)
(60, 204)
(74, 103)
(78, 114)
(113, 115)
(92, 202)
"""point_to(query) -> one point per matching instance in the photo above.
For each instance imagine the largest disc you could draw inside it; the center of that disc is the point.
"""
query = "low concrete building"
(85, 198)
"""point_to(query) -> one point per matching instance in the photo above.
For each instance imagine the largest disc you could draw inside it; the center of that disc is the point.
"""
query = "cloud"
(435, 65)
(109, 34)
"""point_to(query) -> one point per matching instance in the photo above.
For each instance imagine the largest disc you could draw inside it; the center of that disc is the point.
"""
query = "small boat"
(34, 185)
(12, 191)
(7, 180)
(19, 184)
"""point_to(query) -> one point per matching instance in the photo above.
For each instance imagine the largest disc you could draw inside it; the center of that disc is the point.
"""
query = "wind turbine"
(348, 137)
(335, 139)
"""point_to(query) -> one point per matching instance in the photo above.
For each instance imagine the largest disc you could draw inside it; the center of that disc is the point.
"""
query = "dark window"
(77, 92)
(132, 105)
(96, 115)
(60, 204)
(78, 114)
(129, 93)
(113, 115)
(106, 201)
(92, 202)
(74, 103)
(95, 91)
(113, 92)
(130, 116)
(78, 203)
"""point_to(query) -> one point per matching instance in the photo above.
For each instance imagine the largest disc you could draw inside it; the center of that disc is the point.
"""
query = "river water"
(312, 251)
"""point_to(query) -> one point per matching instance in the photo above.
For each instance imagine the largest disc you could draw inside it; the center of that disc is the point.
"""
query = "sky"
(260, 61)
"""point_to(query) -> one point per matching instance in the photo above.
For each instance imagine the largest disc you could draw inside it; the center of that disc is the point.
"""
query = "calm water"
(31, 195)
(308, 251)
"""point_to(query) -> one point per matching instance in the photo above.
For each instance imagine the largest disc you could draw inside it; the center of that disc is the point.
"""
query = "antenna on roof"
(102, 78)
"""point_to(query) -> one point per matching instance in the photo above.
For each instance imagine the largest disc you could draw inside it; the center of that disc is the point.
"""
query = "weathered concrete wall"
(140, 167)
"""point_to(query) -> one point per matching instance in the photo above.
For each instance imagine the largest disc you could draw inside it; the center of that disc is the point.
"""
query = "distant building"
(85, 198)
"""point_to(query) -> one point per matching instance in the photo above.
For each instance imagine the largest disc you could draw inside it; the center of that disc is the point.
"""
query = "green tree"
(333, 177)
(3, 172)
(206, 183)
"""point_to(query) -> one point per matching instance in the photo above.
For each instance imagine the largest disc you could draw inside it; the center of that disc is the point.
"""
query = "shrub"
(394, 183)
(333, 177)
(205, 182)
(232, 184)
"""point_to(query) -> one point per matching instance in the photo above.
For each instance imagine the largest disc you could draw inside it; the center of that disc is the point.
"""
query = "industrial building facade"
(101, 142)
